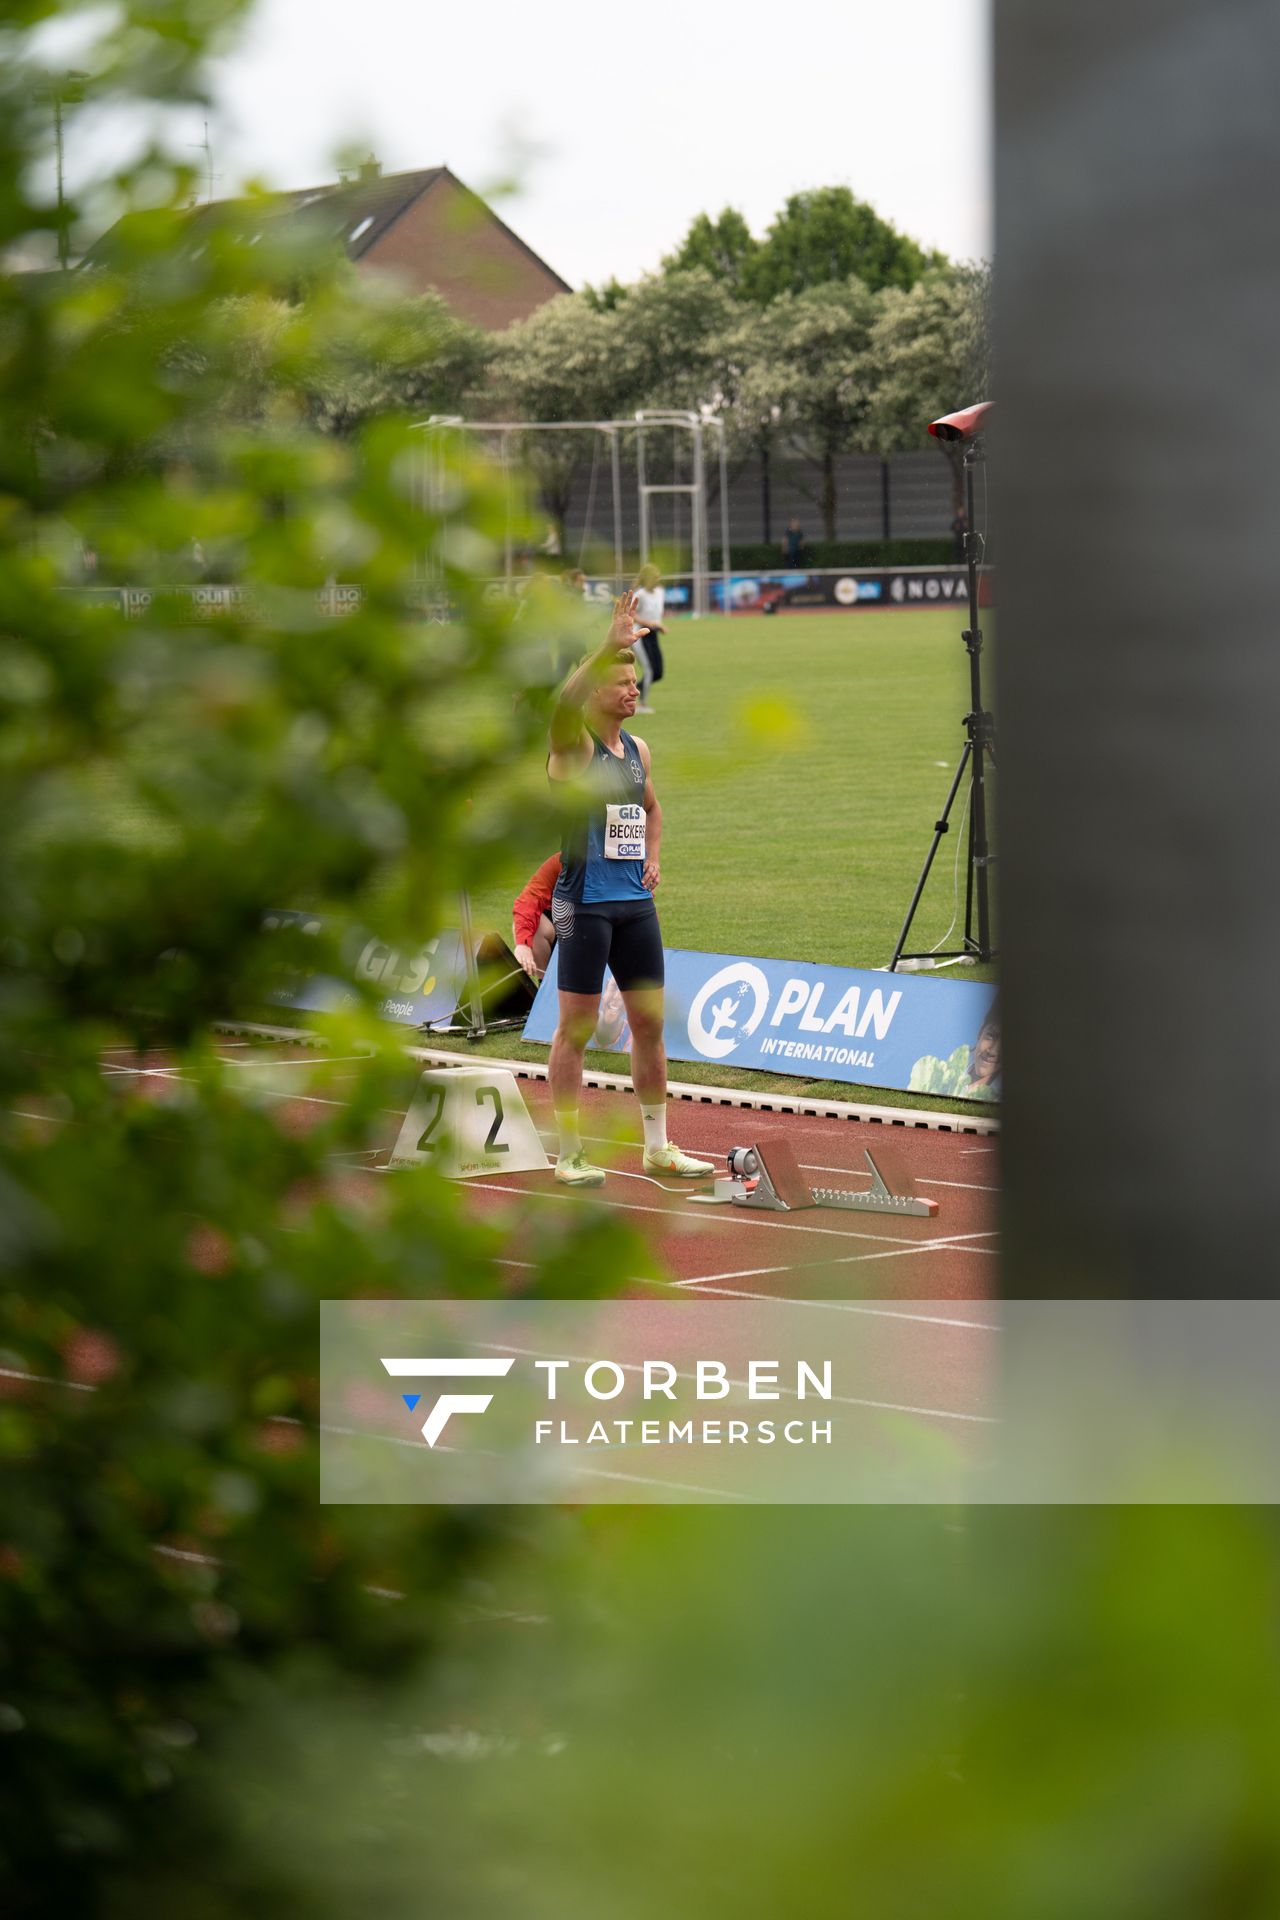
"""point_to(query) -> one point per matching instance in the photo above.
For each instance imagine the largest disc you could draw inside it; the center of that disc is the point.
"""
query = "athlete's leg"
(578, 1015)
(584, 948)
(637, 963)
(648, 1057)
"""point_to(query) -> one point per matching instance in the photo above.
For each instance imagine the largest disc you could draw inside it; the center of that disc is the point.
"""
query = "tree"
(929, 354)
(416, 358)
(669, 341)
(807, 356)
(604, 299)
(724, 247)
(559, 364)
(826, 235)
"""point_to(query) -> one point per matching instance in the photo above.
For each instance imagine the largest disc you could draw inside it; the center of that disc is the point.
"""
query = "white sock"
(655, 1127)
(570, 1139)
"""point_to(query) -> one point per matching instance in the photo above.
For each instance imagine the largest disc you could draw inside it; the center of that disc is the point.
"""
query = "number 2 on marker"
(492, 1143)
(436, 1096)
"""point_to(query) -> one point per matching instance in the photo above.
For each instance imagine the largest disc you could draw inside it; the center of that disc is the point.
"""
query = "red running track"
(722, 1251)
(818, 1255)
(824, 1257)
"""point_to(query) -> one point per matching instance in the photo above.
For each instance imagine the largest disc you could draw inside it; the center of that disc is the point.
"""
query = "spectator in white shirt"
(650, 610)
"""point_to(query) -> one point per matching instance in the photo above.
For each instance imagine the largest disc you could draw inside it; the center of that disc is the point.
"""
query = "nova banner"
(827, 1023)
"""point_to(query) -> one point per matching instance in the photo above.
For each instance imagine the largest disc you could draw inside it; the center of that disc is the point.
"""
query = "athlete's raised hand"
(623, 628)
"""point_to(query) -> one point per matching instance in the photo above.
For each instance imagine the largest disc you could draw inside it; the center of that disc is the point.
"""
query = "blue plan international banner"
(826, 1023)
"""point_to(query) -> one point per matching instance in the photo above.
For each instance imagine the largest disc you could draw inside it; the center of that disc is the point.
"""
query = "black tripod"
(979, 747)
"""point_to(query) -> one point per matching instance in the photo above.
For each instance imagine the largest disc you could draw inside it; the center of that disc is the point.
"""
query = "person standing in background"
(651, 607)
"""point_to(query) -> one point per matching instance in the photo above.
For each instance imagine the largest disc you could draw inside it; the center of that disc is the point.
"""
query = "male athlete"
(602, 908)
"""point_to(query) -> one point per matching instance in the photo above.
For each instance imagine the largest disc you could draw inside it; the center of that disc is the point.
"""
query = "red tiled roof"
(356, 212)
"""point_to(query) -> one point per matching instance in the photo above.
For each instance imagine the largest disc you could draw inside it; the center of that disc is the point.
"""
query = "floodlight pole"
(979, 746)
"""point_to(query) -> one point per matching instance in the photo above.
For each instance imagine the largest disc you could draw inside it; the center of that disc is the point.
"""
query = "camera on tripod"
(964, 426)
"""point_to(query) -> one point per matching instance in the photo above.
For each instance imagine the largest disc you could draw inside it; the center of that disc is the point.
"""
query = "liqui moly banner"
(827, 1023)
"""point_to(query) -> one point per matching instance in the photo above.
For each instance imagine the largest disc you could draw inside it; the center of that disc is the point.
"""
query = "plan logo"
(716, 1030)
(435, 1369)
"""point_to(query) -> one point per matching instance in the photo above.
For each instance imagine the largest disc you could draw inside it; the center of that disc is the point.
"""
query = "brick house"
(427, 230)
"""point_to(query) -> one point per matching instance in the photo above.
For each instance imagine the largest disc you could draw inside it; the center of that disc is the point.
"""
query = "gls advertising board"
(827, 1023)
(420, 987)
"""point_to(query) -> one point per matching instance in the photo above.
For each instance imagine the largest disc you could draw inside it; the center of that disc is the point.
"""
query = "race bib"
(624, 833)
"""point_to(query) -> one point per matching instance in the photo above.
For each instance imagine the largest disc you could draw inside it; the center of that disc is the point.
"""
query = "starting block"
(467, 1121)
(776, 1185)
(891, 1189)
(768, 1177)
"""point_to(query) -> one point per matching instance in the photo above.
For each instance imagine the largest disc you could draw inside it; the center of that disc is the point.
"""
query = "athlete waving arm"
(569, 740)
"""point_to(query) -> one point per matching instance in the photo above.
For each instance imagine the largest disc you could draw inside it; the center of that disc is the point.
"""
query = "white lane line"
(921, 1179)
(856, 1306)
(787, 1300)
(743, 1216)
(620, 1173)
(45, 1380)
(259, 1093)
(732, 1216)
(314, 1060)
(821, 1266)
(956, 1245)
(190, 1559)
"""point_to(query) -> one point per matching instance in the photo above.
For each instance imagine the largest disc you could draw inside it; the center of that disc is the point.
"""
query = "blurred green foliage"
(867, 1715)
(168, 1219)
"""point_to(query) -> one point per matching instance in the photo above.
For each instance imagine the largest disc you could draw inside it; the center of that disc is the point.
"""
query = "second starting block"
(767, 1176)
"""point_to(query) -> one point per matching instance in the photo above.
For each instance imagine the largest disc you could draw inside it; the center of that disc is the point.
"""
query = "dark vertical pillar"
(885, 525)
(1135, 476)
(766, 501)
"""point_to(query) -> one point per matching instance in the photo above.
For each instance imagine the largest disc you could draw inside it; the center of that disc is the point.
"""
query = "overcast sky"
(623, 123)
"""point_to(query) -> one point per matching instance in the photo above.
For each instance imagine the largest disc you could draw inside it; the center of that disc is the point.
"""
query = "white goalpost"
(613, 434)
